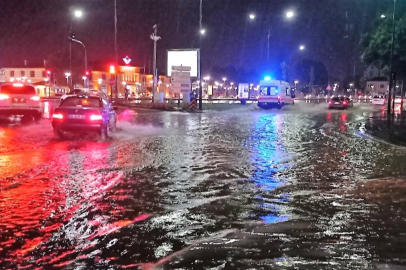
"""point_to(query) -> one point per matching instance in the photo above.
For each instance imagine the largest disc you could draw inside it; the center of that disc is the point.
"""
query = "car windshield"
(18, 89)
(336, 99)
(80, 102)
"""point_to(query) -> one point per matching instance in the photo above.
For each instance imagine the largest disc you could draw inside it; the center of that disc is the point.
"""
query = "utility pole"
(155, 38)
(392, 75)
(200, 58)
(115, 46)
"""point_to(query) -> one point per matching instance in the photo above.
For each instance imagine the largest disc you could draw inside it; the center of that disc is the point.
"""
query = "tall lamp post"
(250, 17)
(155, 38)
(392, 76)
(200, 55)
(67, 75)
(76, 14)
(289, 15)
(84, 47)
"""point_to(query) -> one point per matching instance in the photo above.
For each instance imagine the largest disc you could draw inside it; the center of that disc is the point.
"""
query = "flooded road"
(299, 188)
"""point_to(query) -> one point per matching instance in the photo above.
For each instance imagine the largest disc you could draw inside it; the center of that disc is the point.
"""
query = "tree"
(376, 45)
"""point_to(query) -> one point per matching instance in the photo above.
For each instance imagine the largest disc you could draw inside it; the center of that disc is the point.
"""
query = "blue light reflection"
(269, 158)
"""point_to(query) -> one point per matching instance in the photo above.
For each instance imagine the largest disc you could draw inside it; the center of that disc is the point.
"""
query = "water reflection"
(269, 158)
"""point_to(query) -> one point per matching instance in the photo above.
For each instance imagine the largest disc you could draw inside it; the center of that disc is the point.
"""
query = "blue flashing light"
(267, 78)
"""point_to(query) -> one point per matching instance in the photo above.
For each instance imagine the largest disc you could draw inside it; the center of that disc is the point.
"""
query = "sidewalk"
(393, 131)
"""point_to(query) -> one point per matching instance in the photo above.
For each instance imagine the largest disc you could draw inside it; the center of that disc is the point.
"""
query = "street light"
(251, 17)
(392, 76)
(290, 14)
(78, 13)
(302, 47)
(383, 16)
(67, 75)
(81, 43)
(203, 31)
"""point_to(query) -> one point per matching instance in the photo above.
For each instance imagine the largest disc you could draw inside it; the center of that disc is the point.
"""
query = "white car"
(20, 99)
(378, 100)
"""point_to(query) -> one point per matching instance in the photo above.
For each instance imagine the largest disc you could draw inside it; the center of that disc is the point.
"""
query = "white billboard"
(186, 57)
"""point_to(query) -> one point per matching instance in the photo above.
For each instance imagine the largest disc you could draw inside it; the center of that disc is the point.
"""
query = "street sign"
(181, 68)
(112, 81)
(180, 80)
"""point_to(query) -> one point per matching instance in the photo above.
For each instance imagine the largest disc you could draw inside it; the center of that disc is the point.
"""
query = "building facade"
(31, 75)
(137, 84)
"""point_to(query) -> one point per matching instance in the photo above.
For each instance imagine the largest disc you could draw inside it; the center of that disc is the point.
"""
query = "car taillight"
(344, 102)
(96, 117)
(4, 97)
(330, 102)
(35, 98)
(57, 116)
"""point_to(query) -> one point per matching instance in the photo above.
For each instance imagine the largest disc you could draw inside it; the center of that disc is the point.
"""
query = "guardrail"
(207, 100)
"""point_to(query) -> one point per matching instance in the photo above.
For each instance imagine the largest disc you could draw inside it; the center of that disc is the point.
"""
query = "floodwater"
(300, 188)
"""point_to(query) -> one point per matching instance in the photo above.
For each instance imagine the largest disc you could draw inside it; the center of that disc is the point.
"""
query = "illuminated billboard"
(183, 57)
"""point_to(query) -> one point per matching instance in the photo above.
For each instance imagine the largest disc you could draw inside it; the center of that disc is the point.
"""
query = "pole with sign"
(180, 82)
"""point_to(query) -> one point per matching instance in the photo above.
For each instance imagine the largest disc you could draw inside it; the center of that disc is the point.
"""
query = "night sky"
(330, 30)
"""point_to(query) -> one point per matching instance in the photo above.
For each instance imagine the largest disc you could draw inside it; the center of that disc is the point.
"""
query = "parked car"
(378, 100)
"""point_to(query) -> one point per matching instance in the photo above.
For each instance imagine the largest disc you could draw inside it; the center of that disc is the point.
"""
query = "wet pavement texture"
(300, 188)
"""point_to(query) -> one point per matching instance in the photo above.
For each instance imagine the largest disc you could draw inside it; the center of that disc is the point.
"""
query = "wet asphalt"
(300, 188)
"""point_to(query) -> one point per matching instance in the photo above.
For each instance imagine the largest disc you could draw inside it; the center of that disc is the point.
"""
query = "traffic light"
(48, 73)
(112, 69)
(72, 35)
(88, 74)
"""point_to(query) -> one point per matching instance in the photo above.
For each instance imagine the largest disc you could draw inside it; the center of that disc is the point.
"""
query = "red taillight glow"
(4, 97)
(330, 102)
(57, 116)
(96, 117)
(35, 98)
(344, 102)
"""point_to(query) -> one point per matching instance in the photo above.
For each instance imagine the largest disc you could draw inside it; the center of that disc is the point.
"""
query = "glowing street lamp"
(202, 31)
(78, 13)
(290, 14)
(301, 47)
(252, 16)
(383, 16)
(67, 75)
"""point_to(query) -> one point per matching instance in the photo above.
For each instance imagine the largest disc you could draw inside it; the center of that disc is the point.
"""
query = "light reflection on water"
(203, 191)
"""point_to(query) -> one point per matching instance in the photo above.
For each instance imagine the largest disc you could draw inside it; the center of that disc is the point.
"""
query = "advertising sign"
(184, 57)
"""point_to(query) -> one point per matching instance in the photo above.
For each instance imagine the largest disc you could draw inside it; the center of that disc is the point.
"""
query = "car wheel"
(38, 117)
(59, 134)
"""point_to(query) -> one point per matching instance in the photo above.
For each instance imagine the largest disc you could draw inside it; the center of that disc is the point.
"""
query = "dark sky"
(37, 30)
